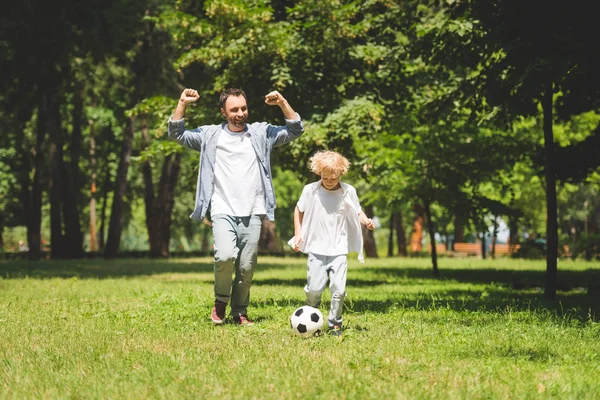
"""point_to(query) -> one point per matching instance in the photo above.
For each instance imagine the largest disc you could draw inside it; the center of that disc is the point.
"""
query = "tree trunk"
(163, 206)
(459, 230)
(513, 230)
(107, 187)
(33, 199)
(93, 243)
(370, 247)
(431, 229)
(390, 252)
(148, 191)
(71, 178)
(269, 241)
(400, 234)
(115, 228)
(494, 238)
(483, 246)
(159, 209)
(551, 202)
(58, 245)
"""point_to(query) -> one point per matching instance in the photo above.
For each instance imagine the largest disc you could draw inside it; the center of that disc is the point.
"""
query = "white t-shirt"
(238, 187)
(328, 235)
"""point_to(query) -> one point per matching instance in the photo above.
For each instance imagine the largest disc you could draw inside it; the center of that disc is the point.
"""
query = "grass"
(140, 329)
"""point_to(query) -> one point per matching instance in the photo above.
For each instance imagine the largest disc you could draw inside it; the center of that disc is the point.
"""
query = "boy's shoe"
(243, 320)
(218, 312)
(336, 330)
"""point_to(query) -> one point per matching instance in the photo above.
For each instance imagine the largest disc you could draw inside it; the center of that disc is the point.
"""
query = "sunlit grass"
(141, 329)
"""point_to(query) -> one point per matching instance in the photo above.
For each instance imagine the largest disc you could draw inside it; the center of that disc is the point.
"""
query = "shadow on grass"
(517, 279)
(575, 306)
(120, 268)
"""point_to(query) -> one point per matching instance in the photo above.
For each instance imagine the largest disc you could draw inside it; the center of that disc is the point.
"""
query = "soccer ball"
(307, 321)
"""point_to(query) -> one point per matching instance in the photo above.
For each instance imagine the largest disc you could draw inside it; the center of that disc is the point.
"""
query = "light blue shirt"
(204, 139)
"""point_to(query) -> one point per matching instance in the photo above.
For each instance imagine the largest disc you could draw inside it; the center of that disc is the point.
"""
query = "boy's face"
(330, 180)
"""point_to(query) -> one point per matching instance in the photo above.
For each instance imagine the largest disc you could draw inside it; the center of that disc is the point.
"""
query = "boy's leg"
(248, 229)
(337, 269)
(316, 279)
(226, 253)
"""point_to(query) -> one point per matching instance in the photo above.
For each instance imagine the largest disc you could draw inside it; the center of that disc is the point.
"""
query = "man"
(236, 186)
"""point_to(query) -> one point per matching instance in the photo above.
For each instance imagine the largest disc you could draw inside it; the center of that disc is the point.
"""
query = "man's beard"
(238, 123)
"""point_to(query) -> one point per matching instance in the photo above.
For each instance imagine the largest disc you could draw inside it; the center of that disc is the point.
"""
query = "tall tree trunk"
(33, 203)
(431, 229)
(370, 246)
(513, 229)
(102, 231)
(148, 191)
(163, 206)
(416, 235)
(390, 252)
(459, 230)
(494, 237)
(400, 234)
(551, 202)
(115, 228)
(483, 245)
(93, 235)
(159, 209)
(58, 245)
(71, 178)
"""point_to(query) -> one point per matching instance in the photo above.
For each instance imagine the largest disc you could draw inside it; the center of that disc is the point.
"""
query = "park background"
(459, 118)
(473, 129)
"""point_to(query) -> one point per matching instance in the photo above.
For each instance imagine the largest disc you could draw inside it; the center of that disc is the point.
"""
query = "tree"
(517, 62)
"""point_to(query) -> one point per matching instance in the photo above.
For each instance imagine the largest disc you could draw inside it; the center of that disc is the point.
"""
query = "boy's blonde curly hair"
(329, 161)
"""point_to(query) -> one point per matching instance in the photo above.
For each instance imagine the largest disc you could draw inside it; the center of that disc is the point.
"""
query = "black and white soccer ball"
(307, 321)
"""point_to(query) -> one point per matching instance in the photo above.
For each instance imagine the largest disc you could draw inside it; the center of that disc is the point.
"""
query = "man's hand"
(274, 98)
(189, 96)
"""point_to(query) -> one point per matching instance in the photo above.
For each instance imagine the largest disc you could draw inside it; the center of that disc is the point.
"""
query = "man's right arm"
(177, 131)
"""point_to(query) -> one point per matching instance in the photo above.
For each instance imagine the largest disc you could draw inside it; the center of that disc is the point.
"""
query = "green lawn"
(140, 329)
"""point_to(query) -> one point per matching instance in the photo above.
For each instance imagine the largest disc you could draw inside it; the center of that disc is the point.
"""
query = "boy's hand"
(297, 241)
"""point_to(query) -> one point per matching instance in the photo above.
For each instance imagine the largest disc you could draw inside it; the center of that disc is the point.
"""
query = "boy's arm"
(368, 222)
(298, 216)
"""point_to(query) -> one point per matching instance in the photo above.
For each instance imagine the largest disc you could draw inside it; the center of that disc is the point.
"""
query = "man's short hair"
(231, 92)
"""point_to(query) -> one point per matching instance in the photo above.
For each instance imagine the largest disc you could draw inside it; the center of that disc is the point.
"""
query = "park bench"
(440, 248)
(473, 249)
(505, 248)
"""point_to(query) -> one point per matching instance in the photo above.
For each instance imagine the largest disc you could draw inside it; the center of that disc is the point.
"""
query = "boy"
(327, 227)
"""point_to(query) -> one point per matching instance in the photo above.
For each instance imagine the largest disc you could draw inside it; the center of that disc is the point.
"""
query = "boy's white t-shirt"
(328, 235)
(238, 189)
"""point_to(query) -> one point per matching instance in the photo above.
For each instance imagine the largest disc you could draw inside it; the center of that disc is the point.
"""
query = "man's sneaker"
(243, 320)
(336, 330)
(218, 312)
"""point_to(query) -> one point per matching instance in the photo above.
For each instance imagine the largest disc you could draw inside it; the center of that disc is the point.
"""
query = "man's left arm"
(276, 99)
(293, 127)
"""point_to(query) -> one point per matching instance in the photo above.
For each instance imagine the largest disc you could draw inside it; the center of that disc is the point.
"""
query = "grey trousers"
(236, 250)
(320, 268)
